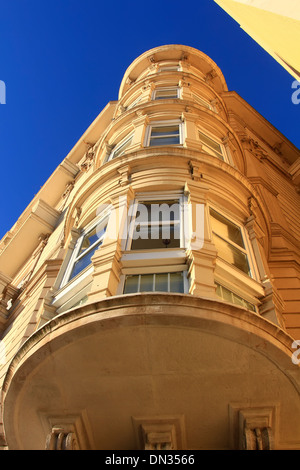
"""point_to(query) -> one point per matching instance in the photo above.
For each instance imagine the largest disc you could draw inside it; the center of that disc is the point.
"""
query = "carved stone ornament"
(210, 76)
(158, 441)
(255, 148)
(258, 438)
(89, 159)
(60, 439)
(68, 189)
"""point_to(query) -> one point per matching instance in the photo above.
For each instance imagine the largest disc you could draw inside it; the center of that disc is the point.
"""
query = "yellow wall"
(279, 35)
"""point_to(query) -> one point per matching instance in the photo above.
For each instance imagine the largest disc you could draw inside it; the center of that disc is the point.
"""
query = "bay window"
(86, 246)
(120, 148)
(229, 241)
(154, 257)
(211, 145)
(166, 93)
(236, 275)
(156, 223)
(157, 282)
(164, 133)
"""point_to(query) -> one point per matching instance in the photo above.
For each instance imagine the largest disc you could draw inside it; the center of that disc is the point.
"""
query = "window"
(120, 148)
(211, 146)
(156, 224)
(230, 296)
(87, 244)
(229, 242)
(158, 282)
(77, 270)
(135, 102)
(169, 133)
(154, 257)
(169, 68)
(202, 101)
(166, 93)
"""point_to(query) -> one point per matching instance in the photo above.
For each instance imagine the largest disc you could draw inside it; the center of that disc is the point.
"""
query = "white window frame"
(71, 291)
(212, 151)
(157, 90)
(158, 260)
(101, 222)
(157, 197)
(154, 273)
(245, 250)
(173, 122)
(127, 140)
(231, 277)
(202, 101)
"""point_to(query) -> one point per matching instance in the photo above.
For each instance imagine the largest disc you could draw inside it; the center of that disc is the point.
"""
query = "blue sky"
(63, 60)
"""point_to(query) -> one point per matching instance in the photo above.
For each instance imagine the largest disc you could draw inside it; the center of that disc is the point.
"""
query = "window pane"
(164, 94)
(161, 282)
(121, 149)
(164, 130)
(84, 261)
(164, 141)
(169, 68)
(224, 228)
(202, 102)
(229, 296)
(176, 282)
(146, 283)
(131, 284)
(157, 225)
(88, 240)
(210, 142)
(155, 243)
(231, 254)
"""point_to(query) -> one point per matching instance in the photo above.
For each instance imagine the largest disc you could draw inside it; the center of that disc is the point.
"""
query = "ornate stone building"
(150, 291)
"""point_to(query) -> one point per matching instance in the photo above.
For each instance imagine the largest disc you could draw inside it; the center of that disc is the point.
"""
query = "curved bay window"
(164, 133)
(86, 246)
(78, 268)
(229, 242)
(211, 145)
(156, 282)
(154, 259)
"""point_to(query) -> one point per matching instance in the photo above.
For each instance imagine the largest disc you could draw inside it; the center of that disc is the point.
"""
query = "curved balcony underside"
(127, 360)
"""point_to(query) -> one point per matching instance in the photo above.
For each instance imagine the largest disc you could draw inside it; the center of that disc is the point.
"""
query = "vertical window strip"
(133, 283)
(211, 146)
(229, 242)
(230, 296)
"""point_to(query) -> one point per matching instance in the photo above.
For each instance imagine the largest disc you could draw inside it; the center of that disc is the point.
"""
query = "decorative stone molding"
(69, 187)
(61, 439)
(257, 438)
(124, 173)
(210, 76)
(196, 170)
(89, 159)
(158, 440)
(294, 171)
(159, 432)
(67, 431)
(253, 428)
